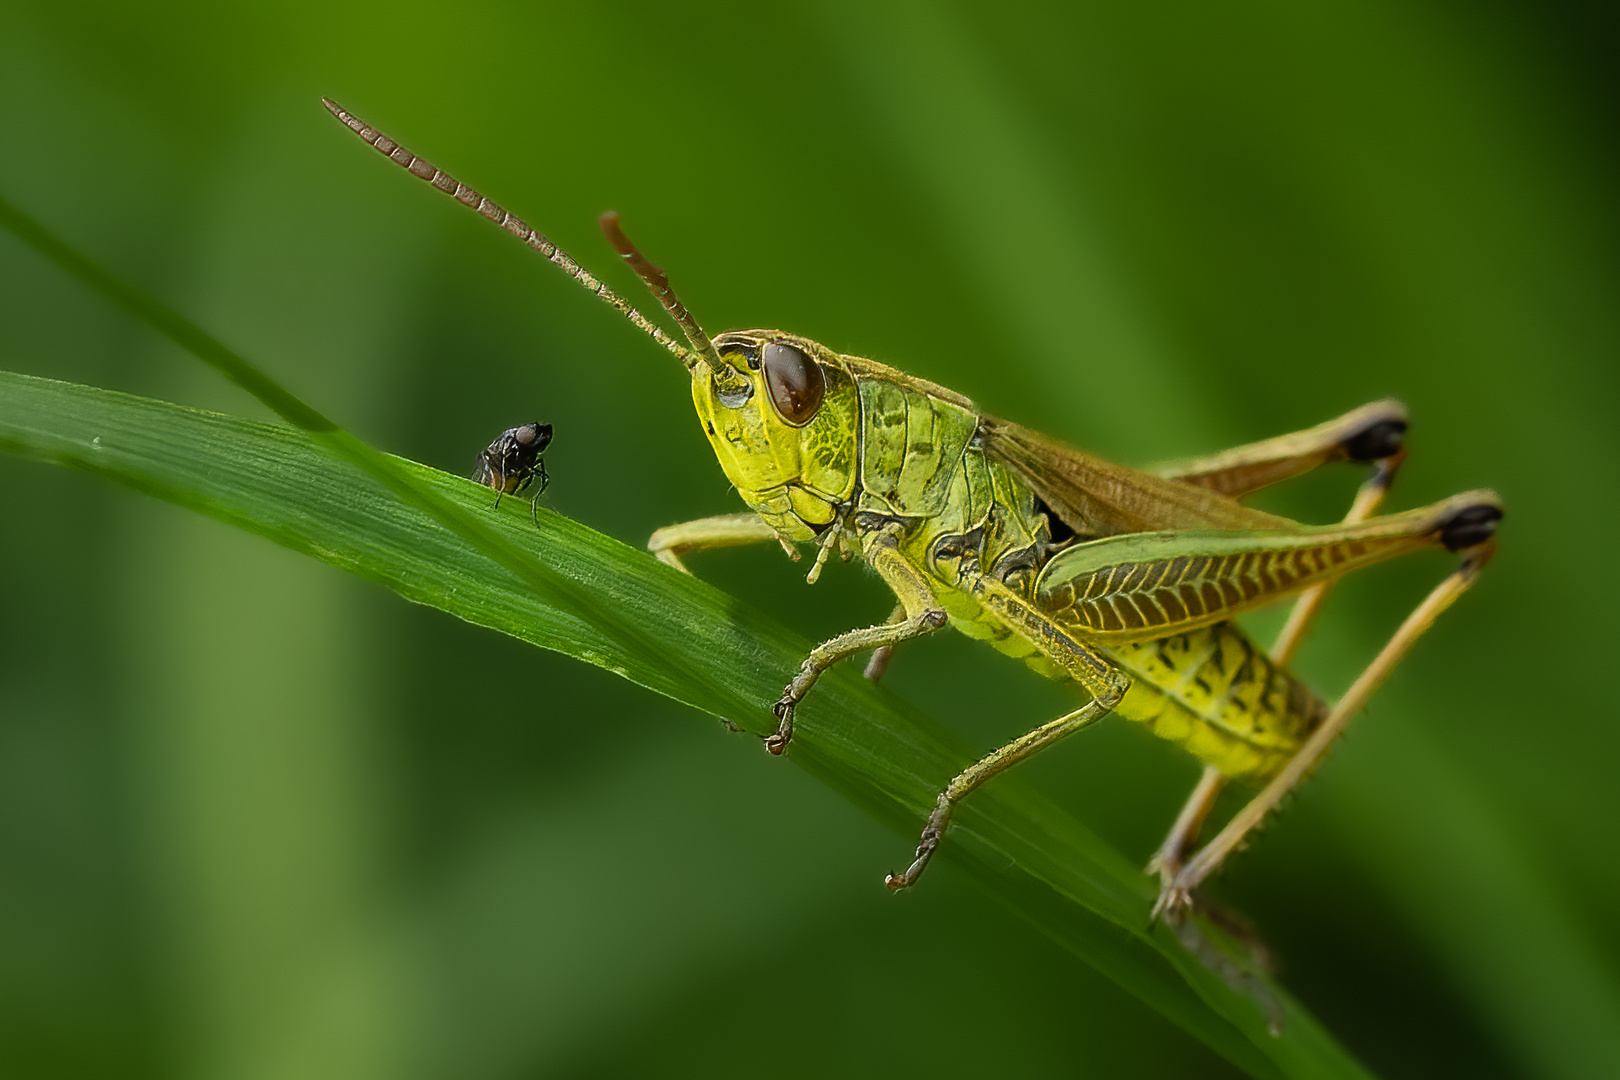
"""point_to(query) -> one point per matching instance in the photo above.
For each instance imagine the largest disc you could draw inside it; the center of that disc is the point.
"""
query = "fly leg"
(500, 489)
(1106, 684)
(1166, 862)
(545, 482)
(922, 615)
(726, 530)
(1469, 534)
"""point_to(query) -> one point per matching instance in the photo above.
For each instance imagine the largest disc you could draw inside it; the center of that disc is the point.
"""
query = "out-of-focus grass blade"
(691, 642)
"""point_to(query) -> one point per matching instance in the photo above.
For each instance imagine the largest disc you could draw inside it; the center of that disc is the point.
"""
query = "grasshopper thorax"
(786, 433)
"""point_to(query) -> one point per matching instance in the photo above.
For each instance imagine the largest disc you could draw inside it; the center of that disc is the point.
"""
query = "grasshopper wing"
(1098, 498)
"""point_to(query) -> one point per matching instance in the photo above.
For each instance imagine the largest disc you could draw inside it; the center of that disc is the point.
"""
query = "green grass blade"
(422, 533)
(247, 375)
(674, 635)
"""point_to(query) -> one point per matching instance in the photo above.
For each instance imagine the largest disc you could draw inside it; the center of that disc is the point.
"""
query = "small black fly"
(511, 463)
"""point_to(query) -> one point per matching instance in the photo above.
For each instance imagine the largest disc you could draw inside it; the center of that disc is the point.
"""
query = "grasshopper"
(1123, 582)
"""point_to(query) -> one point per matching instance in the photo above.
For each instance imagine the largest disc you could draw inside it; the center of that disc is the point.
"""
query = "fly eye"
(795, 383)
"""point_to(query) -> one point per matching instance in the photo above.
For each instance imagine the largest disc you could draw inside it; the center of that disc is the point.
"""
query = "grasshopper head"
(780, 410)
(781, 414)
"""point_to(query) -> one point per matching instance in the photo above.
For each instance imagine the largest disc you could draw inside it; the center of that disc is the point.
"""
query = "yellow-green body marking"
(886, 447)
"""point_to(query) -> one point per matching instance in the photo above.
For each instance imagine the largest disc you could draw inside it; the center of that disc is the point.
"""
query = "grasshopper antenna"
(726, 377)
(511, 223)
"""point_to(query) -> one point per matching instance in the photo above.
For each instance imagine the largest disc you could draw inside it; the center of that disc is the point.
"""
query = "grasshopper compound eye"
(795, 383)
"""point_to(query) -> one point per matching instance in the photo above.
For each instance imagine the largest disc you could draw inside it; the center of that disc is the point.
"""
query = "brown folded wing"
(1098, 498)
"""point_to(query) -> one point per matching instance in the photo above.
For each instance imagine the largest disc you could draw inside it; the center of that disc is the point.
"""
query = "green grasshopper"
(1124, 583)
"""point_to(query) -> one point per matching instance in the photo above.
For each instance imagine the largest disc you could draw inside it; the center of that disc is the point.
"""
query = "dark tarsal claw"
(777, 741)
(1172, 905)
(925, 851)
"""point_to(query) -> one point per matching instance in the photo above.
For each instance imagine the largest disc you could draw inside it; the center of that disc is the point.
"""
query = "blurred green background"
(262, 820)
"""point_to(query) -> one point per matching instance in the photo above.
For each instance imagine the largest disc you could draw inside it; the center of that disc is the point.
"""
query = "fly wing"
(1098, 498)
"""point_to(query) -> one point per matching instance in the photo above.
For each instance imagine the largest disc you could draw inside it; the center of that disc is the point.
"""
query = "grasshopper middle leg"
(1106, 683)
(828, 653)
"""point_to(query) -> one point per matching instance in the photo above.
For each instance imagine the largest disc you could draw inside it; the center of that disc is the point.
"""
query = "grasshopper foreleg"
(922, 615)
(1106, 683)
(727, 530)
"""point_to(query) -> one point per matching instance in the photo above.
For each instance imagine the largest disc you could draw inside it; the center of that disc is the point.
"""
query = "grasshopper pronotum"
(1122, 582)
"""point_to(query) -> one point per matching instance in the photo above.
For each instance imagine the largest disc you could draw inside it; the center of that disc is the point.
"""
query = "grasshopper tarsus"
(669, 558)
(932, 834)
(925, 852)
(777, 741)
(1172, 906)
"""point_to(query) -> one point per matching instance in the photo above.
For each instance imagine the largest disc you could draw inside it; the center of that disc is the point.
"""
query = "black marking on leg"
(1470, 526)
(1377, 441)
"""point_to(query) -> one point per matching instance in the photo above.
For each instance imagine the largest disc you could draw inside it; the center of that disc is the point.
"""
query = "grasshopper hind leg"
(1376, 437)
(1471, 532)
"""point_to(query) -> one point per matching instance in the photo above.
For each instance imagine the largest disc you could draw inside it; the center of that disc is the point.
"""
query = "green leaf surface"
(618, 608)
